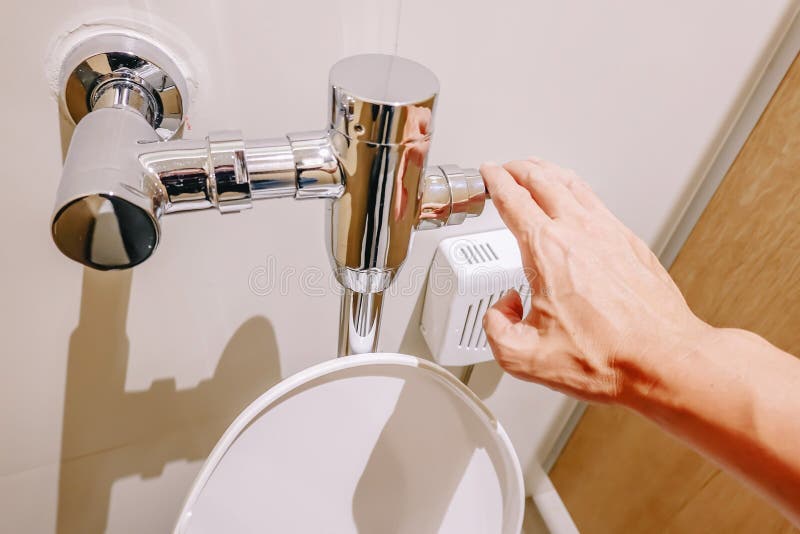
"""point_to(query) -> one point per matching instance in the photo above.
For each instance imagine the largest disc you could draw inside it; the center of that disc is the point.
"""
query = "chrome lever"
(450, 195)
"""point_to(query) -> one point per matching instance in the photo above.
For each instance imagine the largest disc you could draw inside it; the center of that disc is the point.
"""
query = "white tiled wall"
(118, 384)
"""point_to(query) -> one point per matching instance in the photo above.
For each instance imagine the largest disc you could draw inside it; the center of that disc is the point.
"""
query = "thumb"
(513, 341)
(506, 311)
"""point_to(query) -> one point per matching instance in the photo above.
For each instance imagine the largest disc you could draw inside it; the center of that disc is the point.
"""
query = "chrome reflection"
(359, 322)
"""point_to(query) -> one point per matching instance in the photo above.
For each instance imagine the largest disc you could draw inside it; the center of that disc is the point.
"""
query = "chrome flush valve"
(122, 172)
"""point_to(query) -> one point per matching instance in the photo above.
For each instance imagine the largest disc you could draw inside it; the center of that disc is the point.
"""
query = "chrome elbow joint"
(114, 189)
(107, 207)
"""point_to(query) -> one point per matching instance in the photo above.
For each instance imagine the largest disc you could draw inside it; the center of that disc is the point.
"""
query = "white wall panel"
(119, 384)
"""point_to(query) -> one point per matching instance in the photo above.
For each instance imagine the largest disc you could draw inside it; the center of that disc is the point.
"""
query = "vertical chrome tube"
(360, 322)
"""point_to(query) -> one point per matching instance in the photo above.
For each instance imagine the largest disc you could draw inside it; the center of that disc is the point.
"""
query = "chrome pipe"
(270, 165)
(359, 322)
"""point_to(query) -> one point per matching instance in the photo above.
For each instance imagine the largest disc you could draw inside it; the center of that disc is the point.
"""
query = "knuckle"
(501, 193)
(576, 179)
(551, 168)
(531, 172)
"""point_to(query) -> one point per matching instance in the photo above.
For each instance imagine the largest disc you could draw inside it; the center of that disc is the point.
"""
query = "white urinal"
(376, 443)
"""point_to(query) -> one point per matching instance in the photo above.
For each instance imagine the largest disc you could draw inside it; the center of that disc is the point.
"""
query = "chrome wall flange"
(136, 75)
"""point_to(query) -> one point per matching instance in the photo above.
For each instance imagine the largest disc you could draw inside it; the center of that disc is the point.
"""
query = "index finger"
(513, 202)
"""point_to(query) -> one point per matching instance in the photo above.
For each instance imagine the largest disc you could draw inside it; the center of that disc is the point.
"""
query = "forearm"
(736, 398)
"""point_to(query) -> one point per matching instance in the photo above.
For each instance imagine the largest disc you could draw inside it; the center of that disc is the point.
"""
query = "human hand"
(603, 309)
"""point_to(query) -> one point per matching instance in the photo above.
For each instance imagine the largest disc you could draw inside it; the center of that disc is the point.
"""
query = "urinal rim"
(286, 387)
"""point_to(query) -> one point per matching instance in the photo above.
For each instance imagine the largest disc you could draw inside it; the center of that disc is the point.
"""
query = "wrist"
(653, 378)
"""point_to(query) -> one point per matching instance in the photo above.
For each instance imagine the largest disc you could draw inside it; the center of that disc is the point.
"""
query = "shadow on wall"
(109, 434)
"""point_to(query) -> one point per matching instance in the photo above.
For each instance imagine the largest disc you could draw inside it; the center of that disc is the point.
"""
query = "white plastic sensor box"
(469, 273)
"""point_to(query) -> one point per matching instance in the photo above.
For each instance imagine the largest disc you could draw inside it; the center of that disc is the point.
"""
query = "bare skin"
(608, 324)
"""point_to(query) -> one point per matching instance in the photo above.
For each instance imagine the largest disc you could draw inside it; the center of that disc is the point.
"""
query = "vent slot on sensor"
(474, 253)
(472, 335)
